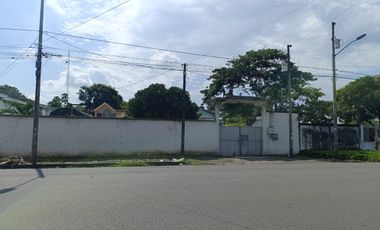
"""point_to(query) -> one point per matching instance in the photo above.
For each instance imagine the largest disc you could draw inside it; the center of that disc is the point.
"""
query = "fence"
(314, 137)
(81, 136)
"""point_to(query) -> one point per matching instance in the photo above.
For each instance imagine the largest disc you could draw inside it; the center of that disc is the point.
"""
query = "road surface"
(262, 195)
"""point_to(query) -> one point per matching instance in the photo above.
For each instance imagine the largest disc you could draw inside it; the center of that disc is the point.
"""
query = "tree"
(16, 108)
(259, 73)
(311, 109)
(12, 92)
(240, 114)
(55, 102)
(97, 94)
(60, 102)
(359, 101)
(156, 101)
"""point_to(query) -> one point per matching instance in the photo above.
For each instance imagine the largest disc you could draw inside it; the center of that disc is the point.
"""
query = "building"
(68, 112)
(106, 111)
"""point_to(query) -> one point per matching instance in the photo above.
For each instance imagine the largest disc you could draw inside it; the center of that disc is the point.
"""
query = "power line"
(14, 63)
(137, 58)
(320, 68)
(96, 16)
(73, 27)
(104, 56)
(147, 79)
(341, 77)
(117, 43)
(18, 29)
(138, 46)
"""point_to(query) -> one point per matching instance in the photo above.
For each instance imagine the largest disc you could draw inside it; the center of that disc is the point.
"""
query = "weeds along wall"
(79, 136)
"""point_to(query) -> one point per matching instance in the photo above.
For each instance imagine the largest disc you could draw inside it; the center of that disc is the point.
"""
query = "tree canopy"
(359, 100)
(156, 101)
(259, 73)
(12, 92)
(97, 94)
(60, 102)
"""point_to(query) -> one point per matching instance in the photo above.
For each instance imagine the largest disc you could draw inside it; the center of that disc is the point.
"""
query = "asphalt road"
(263, 195)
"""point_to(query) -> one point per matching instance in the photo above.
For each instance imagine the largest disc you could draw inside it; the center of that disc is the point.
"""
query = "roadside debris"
(12, 162)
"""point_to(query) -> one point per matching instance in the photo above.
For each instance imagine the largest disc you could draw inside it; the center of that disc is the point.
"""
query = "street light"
(333, 41)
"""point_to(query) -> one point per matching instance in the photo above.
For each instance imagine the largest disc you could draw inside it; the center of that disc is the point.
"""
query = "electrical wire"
(320, 68)
(139, 46)
(118, 43)
(8, 68)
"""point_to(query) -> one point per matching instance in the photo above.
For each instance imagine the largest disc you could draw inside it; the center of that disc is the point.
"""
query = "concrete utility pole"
(38, 86)
(290, 104)
(334, 43)
(335, 119)
(68, 73)
(183, 110)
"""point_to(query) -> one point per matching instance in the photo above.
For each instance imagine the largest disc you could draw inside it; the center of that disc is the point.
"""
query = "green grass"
(117, 157)
(137, 159)
(345, 155)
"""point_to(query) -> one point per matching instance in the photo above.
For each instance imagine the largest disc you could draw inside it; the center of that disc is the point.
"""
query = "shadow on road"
(40, 174)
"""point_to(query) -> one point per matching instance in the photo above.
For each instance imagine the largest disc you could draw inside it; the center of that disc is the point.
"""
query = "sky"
(221, 28)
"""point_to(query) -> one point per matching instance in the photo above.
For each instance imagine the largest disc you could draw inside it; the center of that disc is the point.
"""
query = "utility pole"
(290, 104)
(335, 119)
(68, 73)
(183, 110)
(38, 87)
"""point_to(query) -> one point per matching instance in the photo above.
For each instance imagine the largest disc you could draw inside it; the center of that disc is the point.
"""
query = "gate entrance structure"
(240, 141)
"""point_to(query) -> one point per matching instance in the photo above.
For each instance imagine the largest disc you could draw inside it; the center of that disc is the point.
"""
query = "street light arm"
(345, 47)
(357, 39)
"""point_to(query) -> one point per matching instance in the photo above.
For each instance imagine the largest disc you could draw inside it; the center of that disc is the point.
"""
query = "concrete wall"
(75, 136)
(275, 128)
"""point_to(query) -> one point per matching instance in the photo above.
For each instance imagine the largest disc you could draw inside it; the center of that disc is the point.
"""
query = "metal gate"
(240, 141)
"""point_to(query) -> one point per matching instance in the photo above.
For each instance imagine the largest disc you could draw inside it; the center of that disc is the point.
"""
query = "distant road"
(263, 195)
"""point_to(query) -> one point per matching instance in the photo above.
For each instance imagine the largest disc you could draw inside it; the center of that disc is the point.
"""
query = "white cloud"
(64, 8)
(226, 28)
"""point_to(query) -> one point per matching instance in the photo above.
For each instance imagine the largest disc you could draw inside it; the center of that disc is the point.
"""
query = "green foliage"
(311, 109)
(355, 155)
(97, 94)
(258, 73)
(60, 102)
(16, 108)
(240, 114)
(12, 92)
(56, 102)
(156, 101)
(359, 101)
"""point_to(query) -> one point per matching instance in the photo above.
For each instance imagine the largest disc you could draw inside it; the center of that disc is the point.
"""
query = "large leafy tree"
(59, 102)
(97, 94)
(259, 73)
(12, 92)
(359, 101)
(156, 101)
(310, 108)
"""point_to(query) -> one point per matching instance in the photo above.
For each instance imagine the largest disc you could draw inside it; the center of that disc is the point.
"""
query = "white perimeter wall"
(279, 123)
(75, 136)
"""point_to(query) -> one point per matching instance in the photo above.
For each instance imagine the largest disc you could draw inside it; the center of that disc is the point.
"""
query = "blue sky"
(216, 27)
